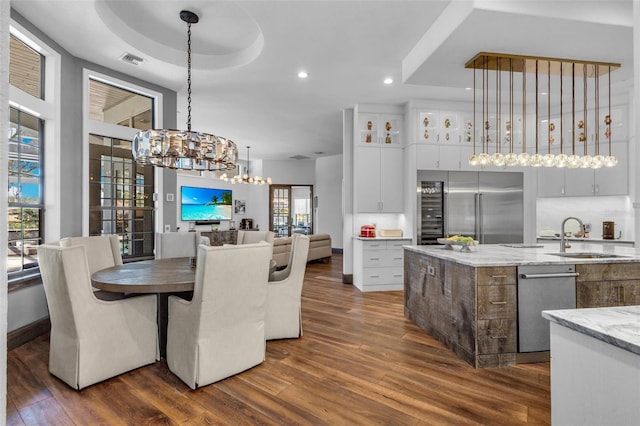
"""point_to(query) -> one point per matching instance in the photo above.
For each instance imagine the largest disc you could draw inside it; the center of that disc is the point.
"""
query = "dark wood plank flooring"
(359, 362)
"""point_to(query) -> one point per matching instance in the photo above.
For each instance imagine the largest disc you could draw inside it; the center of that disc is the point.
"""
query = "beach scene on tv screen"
(206, 203)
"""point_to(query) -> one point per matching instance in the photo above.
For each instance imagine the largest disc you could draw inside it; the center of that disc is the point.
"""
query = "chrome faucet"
(563, 244)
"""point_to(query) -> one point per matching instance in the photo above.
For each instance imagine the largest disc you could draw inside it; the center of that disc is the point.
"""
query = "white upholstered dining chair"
(252, 237)
(91, 339)
(103, 251)
(283, 310)
(220, 332)
(178, 244)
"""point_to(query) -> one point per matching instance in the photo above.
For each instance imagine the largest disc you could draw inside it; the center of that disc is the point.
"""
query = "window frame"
(115, 131)
(47, 109)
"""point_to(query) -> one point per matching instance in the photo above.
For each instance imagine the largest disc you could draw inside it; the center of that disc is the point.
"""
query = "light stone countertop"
(618, 326)
(357, 237)
(592, 240)
(499, 255)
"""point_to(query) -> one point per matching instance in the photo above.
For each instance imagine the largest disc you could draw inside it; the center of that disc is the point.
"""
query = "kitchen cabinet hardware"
(502, 302)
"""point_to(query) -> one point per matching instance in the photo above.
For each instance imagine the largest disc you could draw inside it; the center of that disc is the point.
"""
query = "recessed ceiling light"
(388, 80)
(468, 88)
(303, 74)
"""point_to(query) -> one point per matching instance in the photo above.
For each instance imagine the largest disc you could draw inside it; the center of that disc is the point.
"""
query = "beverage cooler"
(431, 213)
(487, 206)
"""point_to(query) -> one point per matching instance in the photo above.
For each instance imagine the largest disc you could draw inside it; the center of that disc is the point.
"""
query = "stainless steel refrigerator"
(485, 205)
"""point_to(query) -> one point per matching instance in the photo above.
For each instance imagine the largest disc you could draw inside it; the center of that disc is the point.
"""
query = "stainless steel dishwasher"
(540, 288)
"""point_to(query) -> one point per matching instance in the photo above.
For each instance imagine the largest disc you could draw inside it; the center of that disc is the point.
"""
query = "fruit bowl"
(464, 244)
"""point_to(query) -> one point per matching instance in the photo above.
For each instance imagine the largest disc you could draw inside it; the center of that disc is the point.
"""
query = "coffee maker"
(608, 230)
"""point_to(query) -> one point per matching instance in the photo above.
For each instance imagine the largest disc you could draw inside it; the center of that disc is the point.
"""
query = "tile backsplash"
(550, 212)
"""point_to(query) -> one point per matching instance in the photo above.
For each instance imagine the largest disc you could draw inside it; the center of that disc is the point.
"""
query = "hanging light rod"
(522, 63)
(180, 149)
(503, 137)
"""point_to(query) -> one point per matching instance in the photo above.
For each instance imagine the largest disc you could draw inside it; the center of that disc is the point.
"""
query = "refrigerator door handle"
(445, 222)
(476, 202)
(479, 219)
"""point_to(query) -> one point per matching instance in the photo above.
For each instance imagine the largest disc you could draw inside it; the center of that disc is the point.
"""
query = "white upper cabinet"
(611, 139)
(379, 129)
(378, 163)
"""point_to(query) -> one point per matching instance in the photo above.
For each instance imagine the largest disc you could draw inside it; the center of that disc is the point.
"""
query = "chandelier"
(246, 178)
(180, 149)
(503, 140)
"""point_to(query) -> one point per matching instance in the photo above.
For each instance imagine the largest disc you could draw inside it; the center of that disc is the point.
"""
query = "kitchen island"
(595, 365)
(469, 300)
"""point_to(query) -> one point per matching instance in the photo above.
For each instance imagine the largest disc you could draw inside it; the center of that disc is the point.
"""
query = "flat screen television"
(205, 205)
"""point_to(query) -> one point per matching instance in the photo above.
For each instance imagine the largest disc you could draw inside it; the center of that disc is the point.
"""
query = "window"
(26, 68)
(25, 194)
(120, 192)
(24, 190)
(111, 104)
(121, 196)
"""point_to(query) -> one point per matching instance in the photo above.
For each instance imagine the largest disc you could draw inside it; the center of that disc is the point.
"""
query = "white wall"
(26, 306)
(256, 200)
(594, 210)
(286, 172)
(290, 172)
(328, 189)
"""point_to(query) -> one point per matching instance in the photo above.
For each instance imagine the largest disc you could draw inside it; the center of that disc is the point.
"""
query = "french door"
(291, 209)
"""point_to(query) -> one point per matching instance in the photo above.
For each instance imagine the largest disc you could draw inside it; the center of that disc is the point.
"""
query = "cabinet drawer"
(397, 244)
(496, 301)
(374, 245)
(382, 258)
(498, 275)
(607, 271)
(373, 276)
(385, 244)
(497, 336)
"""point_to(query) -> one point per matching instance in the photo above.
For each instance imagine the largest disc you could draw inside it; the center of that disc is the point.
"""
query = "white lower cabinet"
(379, 264)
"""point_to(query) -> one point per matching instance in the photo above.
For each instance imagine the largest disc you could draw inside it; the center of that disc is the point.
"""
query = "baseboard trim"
(27, 333)
(532, 357)
(347, 278)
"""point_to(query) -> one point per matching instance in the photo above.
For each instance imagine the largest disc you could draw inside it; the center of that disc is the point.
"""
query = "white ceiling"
(246, 54)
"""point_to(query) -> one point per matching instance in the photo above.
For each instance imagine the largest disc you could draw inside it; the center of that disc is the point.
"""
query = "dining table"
(163, 277)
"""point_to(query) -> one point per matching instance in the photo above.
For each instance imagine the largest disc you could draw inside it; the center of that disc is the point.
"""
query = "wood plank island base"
(469, 301)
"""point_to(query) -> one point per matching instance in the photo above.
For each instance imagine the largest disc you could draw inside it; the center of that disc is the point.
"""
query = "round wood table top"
(147, 276)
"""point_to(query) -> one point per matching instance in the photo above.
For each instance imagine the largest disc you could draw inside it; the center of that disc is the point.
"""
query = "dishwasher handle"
(551, 275)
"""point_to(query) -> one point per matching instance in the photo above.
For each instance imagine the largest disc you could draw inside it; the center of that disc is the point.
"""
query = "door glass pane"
(301, 214)
(120, 196)
(291, 209)
(280, 210)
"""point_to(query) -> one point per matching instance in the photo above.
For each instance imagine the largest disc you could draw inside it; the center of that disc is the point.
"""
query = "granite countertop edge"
(618, 326)
(586, 240)
(498, 255)
(357, 237)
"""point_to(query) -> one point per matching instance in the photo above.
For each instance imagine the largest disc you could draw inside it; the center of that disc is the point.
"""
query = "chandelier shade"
(559, 98)
(185, 149)
(246, 177)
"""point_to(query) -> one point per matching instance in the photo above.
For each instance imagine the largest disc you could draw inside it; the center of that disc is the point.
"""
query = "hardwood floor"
(359, 362)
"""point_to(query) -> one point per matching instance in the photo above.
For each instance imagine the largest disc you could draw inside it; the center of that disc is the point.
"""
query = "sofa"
(319, 248)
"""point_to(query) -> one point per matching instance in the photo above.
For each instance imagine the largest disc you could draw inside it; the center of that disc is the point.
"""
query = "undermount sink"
(587, 255)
